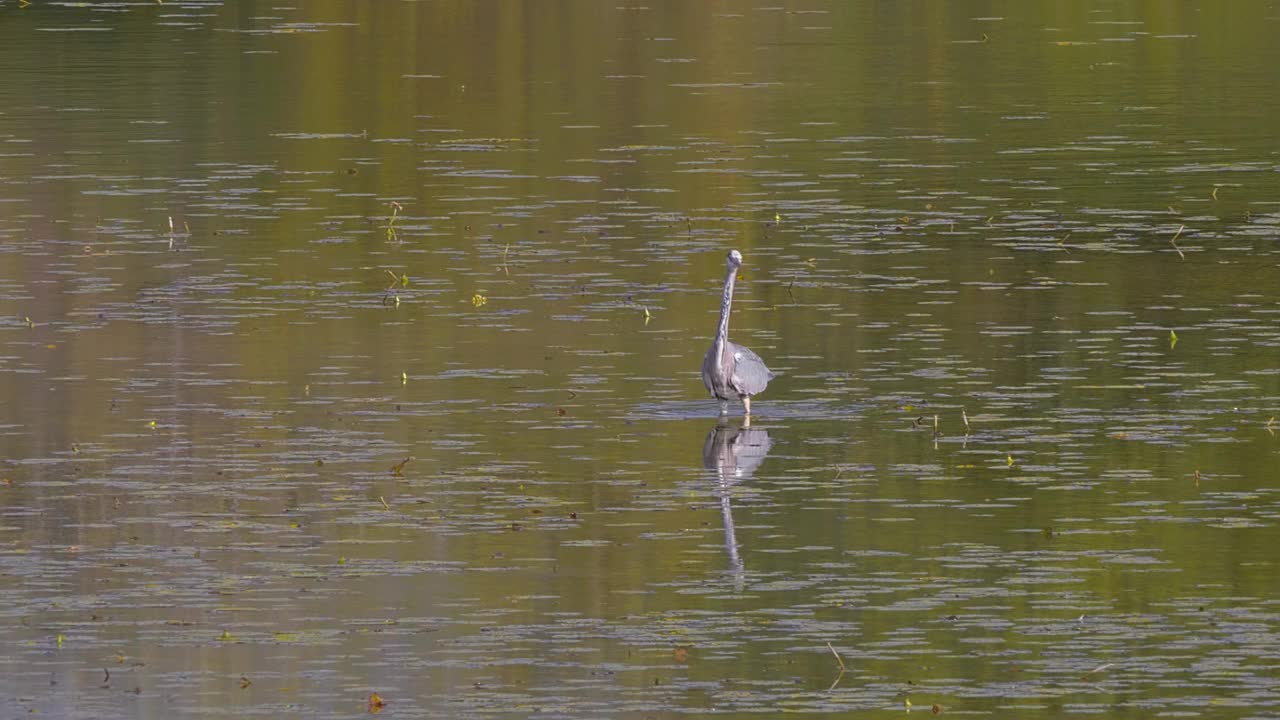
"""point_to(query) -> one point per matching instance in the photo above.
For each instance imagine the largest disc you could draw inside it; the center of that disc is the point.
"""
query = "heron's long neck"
(722, 332)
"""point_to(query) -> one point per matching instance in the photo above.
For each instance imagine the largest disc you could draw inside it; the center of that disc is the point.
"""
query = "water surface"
(354, 349)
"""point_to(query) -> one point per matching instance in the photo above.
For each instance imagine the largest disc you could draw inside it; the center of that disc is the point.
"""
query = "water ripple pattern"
(350, 360)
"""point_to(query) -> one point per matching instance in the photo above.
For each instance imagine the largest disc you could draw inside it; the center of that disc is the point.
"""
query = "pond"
(351, 359)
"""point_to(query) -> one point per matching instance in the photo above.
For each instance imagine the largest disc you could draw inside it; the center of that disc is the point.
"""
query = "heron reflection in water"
(730, 371)
(734, 453)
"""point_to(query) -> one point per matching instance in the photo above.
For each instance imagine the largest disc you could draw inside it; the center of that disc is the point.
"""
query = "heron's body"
(729, 370)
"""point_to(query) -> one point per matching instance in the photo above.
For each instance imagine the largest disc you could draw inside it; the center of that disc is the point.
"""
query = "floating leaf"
(245, 682)
(376, 703)
(1009, 459)
(398, 468)
(1173, 339)
(478, 300)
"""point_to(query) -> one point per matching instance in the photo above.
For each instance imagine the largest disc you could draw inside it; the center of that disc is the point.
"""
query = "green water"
(354, 348)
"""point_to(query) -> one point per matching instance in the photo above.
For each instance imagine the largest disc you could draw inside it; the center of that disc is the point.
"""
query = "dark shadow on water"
(733, 452)
(760, 410)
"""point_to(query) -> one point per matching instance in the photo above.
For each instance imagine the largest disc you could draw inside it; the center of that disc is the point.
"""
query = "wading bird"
(729, 370)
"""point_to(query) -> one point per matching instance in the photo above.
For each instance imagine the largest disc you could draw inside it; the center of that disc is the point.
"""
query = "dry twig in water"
(1174, 241)
(840, 661)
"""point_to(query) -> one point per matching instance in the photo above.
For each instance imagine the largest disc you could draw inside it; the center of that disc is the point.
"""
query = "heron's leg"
(724, 407)
(746, 421)
(746, 405)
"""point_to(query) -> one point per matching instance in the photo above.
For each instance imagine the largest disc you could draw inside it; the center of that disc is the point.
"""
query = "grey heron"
(730, 371)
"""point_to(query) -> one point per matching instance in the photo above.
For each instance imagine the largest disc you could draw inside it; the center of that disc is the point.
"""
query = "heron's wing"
(750, 375)
(708, 366)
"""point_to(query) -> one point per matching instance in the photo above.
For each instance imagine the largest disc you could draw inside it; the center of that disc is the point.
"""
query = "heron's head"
(734, 260)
